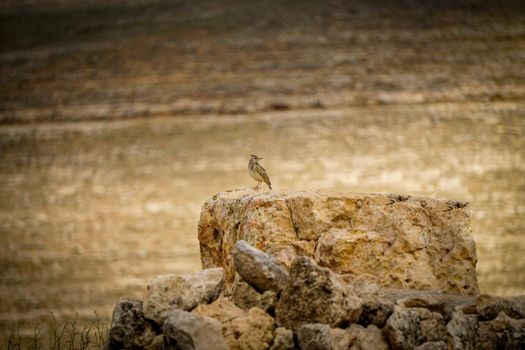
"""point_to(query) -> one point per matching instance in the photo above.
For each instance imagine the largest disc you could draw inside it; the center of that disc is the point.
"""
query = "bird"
(257, 172)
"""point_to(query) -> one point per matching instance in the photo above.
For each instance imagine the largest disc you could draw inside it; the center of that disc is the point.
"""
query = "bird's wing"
(263, 174)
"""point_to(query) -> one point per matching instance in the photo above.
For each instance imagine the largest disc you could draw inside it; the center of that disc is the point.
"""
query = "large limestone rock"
(394, 241)
(129, 329)
(170, 292)
(316, 295)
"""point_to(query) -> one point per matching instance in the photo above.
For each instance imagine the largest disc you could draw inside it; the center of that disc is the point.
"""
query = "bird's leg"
(257, 187)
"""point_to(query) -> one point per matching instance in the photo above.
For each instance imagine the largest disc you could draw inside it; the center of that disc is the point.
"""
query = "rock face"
(391, 240)
(171, 292)
(129, 328)
(316, 294)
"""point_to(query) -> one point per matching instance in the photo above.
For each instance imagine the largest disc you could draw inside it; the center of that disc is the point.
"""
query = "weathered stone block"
(396, 241)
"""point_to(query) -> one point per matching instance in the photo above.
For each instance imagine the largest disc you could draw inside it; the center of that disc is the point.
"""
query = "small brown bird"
(257, 172)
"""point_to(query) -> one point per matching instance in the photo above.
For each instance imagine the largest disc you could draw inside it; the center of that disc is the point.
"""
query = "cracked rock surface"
(390, 240)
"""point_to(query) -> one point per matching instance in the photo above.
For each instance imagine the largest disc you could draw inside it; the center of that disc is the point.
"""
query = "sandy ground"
(118, 121)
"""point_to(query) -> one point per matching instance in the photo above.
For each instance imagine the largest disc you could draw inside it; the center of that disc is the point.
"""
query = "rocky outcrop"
(390, 240)
(291, 301)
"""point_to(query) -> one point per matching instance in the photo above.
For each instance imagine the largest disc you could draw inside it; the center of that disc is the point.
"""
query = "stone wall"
(305, 288)
(308, 307)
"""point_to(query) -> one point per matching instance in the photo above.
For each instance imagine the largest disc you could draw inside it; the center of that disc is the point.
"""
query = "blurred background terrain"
(118, 119)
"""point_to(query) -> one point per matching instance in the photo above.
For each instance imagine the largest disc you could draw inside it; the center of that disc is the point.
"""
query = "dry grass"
(68, 335)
